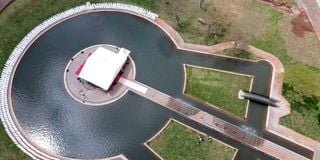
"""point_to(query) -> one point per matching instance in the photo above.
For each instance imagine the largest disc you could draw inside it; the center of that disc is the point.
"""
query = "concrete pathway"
(213, 122)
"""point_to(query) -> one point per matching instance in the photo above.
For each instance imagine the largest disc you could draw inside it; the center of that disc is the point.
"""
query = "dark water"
(59, 124)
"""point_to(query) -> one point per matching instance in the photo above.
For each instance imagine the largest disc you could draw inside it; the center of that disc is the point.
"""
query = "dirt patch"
(281, 5)
(246, 17)
(303, 48)
(301, 24)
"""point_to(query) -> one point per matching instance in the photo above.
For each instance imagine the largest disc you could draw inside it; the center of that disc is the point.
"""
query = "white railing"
(19, 50)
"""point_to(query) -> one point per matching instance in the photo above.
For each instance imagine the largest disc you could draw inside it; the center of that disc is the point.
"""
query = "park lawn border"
(212, 106)
(146, 144)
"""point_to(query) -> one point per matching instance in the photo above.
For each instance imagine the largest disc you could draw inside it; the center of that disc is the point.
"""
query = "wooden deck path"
(213, 122)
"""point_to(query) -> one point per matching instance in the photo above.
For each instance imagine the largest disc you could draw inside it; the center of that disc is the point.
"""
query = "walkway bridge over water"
(213, 122)
(258, 98)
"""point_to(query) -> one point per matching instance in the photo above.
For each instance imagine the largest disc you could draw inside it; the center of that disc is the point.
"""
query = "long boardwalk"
(211, 121)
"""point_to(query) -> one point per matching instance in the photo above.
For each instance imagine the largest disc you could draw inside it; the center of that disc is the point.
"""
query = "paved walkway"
(4, 4)
(213, 122)
(312, 8)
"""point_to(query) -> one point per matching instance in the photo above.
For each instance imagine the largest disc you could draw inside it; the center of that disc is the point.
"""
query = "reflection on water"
(45, 139)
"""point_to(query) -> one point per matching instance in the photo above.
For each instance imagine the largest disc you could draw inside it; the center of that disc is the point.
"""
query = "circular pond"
(53, 121)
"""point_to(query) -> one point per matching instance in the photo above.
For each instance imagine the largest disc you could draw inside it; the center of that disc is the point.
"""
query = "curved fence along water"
(59, 124)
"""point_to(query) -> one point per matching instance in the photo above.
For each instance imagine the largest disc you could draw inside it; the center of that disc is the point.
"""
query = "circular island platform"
(88, 93)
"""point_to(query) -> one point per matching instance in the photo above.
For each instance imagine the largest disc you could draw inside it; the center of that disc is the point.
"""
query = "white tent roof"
(102, 66)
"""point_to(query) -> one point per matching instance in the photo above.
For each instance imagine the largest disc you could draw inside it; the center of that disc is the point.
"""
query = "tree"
(177, 9)
(215, 23)
(203, 5)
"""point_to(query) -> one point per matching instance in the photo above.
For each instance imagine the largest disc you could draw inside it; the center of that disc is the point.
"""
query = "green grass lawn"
(303, 122)
(8, 150)
(218, 88)
(269, 29)
(301, 81)
(177, 142)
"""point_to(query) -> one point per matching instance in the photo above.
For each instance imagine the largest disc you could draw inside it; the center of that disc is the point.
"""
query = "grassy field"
(177, 142)
(265, 28)
(301, 81)
(302, 92)
(218, 88)
(268, 29)
(8, 150)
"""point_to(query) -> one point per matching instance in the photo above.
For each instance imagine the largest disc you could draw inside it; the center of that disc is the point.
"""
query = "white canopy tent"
(102, 66)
